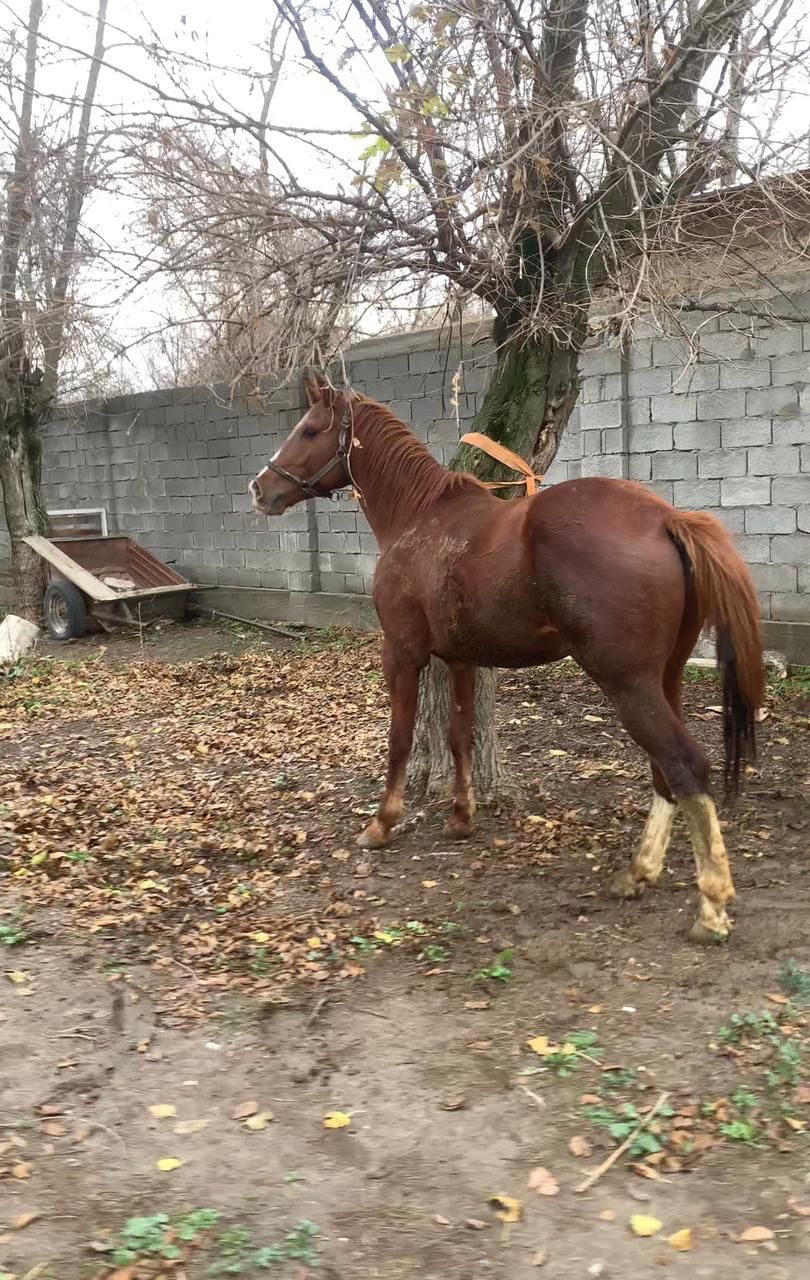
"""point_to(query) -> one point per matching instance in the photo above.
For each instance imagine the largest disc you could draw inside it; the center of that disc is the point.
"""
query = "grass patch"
(14, 931)
(158, 1239)
(795, 981)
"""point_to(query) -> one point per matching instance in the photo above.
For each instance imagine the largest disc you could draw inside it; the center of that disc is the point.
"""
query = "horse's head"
(313, 461)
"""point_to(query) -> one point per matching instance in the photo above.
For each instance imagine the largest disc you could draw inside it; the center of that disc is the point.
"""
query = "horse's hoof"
(374, 837)
(624, 885)
(706, 937)
(458, 829)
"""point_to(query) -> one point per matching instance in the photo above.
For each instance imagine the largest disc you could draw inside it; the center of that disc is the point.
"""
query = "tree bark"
(19, 485)
(526, 408)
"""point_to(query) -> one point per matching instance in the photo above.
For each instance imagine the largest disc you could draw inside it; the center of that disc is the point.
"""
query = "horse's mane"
(396, 463)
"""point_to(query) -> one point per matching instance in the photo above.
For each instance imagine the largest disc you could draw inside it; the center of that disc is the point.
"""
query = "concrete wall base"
(322, 609)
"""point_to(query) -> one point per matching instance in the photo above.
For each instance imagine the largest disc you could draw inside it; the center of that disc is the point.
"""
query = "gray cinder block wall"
(718, 420)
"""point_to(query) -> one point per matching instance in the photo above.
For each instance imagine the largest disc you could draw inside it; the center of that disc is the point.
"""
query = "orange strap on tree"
(509, 459)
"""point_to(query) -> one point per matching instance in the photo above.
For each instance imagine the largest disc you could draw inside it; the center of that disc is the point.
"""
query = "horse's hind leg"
(462, 713)
(653, 724)
(647, 862)
(402, 678)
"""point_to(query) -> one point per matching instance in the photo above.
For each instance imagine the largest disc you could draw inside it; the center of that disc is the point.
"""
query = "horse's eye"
(310, 433)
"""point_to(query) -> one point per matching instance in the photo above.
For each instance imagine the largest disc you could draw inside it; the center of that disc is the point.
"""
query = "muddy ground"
(186, 925)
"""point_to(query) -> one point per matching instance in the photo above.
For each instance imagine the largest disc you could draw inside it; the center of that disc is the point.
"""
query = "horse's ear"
(312, 390)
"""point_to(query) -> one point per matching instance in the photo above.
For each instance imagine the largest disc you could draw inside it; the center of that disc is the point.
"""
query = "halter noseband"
(345, 441)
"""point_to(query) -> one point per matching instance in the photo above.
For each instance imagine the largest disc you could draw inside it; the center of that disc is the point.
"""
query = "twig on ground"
(614, 1155)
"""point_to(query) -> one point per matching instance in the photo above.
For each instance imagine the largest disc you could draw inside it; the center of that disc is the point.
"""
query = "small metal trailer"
(110, 579)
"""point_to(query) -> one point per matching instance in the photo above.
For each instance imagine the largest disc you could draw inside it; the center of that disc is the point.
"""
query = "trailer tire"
(65, 610)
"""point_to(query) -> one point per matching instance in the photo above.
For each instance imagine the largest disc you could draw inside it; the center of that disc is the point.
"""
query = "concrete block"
(791, 430)
(607, 386)
(364, 370)
(674, 408)
(717, 464)
(790, 608)
(732, 517)
(802, 519)
(638, 411)
(412, 386)
(650, 439)
(745, 491)
(805, 457)
(672, 351)
(606, 464)
(804, 578)
(333, 582)
(794, 367)
(770, 520)
(746, 431)
(639, 466)
(597, 360)
(663, 488)
(697, 435)
(774, 577)
(722, 404)
(674, 465)
(778, 340)
(605, 414)
(697, 493)
(748, 373)
(790, 548)
(639, 355)
(613, 440)
(445, 431)
(696, 377)
(774, 460)
(791, 491)
(725, 346)
(755, 549)
(591, 443)
(393, 365)
(649, 382)
(773, 402)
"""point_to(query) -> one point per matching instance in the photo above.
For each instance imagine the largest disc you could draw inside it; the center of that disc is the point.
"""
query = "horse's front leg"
(403, 685)
(462, 714)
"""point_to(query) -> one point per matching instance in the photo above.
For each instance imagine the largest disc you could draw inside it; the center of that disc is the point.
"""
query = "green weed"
(795, 981)
(14, 932)
(499, 970)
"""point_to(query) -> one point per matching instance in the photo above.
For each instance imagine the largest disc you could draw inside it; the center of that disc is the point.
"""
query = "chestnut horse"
(599, 570)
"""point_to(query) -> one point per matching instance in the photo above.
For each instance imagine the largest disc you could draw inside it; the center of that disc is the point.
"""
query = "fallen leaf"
(21, 1170)
(48, 1110)
(53, 1129)
(244, 1110)
(641, 1225)
(540, 1258)
(259, 937)
(606, 1215)
(595, 1008)
(314, 943)
(162, 1110)
(24, 1220)
(258, 1122)
(543, 1182)
(168, 1163)
(579, 1146)
(801, 1210)
(336, 1120)
(644, 1170)
(185, 1127)
(475, 1224)
(507, 1209)
(18, 976)
(681, 1240)
(802, 1094)
(798, 1126)
(477, 1004)
(429, 884)
(755, 1235)
(540, 1045)
(440, 1220)
(480, 1045)
(454, 1104)
(589, 1100)
(777, 998)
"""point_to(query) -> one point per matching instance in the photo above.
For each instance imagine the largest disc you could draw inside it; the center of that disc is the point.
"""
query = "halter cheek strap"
(345, 441)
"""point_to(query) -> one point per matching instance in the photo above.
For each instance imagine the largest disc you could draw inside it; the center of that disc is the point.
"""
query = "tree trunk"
(527, 408)
(430, 769)
(19, 484)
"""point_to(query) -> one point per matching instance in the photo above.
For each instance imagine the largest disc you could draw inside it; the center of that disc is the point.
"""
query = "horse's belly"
(493, 636)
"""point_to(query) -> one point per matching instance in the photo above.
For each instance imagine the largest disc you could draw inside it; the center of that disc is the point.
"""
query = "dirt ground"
(186, 925)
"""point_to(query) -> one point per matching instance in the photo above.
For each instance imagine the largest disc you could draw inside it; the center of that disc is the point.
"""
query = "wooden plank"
(69, 569)
(146, 592)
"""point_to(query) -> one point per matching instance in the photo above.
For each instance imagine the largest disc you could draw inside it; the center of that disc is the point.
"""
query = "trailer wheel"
(65, 610)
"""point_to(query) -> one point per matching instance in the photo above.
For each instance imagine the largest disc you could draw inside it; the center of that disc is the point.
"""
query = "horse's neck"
(396, 475)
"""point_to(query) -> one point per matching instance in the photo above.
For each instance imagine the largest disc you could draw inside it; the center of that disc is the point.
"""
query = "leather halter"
(345, 442)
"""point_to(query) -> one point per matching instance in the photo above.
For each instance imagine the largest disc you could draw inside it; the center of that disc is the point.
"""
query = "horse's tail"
(727, 601)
